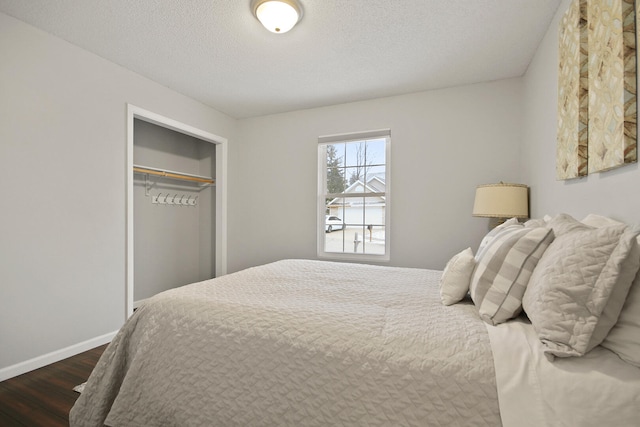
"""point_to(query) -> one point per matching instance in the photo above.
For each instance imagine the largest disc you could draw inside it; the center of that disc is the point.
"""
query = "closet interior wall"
(174, 243)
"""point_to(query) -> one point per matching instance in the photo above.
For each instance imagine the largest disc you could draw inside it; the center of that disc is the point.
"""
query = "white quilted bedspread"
(297, 343)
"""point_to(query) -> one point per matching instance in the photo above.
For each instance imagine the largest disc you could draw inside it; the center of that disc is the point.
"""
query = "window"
(353, 195)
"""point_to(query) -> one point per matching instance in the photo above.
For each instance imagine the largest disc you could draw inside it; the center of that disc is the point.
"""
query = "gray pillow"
(568, 294)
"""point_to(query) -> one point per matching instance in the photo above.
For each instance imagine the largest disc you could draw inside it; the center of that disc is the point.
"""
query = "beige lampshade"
(501, 201)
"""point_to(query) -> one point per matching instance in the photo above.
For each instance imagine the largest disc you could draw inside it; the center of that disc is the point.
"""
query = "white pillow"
(503, 269)
(569, 291)
(454, 284)
(598, 221)
(624, 337)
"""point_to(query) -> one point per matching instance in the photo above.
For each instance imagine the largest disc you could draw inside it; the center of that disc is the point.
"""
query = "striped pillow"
(512, 222)
(504, 266)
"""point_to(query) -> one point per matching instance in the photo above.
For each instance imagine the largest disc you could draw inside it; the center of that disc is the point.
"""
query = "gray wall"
(173, 245)
(612, 193)
(443, 144)
(62, 181)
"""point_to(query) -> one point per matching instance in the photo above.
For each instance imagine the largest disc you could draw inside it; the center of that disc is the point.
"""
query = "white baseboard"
(55, 356)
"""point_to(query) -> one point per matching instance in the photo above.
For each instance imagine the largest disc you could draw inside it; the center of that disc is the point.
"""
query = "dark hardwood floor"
(44, 397)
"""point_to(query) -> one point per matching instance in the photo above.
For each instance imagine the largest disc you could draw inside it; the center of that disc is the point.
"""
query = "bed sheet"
(595, 390)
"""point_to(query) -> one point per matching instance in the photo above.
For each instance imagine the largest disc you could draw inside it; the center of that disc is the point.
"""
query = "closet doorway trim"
(134, 112)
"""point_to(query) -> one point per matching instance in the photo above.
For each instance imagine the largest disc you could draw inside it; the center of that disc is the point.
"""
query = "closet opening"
(176, 210)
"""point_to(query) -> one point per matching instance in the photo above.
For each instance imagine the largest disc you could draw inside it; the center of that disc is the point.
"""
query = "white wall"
(612, 193)
(62, 181)
(443, 144)
(62, 185)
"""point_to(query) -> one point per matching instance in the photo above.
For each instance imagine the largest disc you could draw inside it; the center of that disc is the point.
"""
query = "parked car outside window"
(333, 223)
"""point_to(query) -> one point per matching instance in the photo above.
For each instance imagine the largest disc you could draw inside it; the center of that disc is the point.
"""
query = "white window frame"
(323, 141)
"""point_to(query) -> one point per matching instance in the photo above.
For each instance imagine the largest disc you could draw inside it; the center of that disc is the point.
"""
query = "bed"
(317, 343)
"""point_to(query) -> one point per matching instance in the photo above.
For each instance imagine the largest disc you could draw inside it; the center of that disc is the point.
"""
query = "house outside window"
(353, 196)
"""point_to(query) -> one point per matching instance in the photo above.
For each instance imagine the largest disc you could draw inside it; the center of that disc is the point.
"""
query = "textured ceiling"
(215, 51)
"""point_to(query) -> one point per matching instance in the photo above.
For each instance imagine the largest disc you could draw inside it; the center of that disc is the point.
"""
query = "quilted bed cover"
(297, 343)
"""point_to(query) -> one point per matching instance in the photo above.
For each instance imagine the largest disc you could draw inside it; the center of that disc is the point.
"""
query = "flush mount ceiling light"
(277, 16)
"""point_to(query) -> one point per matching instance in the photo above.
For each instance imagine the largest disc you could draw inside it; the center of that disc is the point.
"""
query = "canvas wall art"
(612, 84)
(573, 97)
(597, 102)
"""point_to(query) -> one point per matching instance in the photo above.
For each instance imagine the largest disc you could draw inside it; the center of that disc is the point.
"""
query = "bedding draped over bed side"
(304, 343)
(597, 389)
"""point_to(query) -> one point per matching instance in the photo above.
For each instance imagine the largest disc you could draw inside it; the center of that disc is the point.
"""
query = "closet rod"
(173, 174)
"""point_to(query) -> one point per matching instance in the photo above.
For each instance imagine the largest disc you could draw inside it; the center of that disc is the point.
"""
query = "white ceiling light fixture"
(277, 16)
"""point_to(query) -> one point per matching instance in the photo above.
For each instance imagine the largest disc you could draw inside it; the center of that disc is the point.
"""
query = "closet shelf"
(173, 174)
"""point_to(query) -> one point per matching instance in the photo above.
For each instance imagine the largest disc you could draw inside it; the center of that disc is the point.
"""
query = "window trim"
(323, 141)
